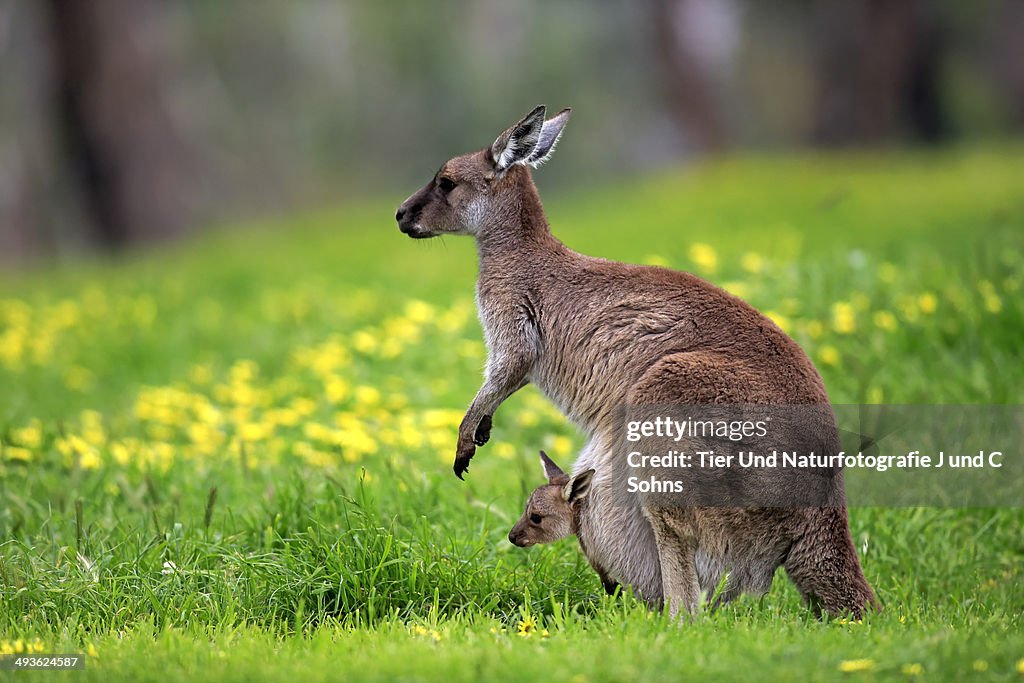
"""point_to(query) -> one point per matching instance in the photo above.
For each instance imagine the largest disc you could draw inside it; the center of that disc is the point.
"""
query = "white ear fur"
(517, 144)
(549, 137)
(578, 487)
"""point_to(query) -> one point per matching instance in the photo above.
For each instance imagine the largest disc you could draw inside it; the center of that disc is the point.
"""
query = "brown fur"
(595, 335)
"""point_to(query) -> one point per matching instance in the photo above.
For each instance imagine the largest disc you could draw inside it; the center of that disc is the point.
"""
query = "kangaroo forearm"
(492, 394)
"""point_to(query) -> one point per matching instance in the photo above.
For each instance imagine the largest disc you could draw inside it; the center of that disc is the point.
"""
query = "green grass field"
(231, 460)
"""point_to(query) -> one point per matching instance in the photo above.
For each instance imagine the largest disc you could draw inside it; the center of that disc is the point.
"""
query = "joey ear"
(517, 144)
(549, 136)
(578, 487)
(553, 472)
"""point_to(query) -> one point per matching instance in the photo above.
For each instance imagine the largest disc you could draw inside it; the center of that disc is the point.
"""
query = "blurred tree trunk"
(110, 75)
(1008, 46)
(878, 65)
(689, 43)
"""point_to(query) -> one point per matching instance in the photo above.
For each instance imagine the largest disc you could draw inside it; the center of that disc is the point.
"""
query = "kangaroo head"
(552, 510)
(470, 189)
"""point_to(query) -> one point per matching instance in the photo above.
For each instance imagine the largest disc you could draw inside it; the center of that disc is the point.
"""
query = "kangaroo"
(564, 507)
(559, 509)
(595, 335)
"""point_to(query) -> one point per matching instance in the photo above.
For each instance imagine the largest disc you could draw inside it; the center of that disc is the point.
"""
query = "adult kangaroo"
(596, 335)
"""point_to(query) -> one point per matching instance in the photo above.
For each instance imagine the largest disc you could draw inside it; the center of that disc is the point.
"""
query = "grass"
(231, 460)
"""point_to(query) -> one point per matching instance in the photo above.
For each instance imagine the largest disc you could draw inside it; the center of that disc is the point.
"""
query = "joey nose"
(400, 214)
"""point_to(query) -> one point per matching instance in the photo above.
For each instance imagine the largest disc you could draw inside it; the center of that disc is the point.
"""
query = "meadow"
(231, 459)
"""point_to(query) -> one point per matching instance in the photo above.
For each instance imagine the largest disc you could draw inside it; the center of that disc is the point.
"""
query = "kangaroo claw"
(483, 431)
(462, 458)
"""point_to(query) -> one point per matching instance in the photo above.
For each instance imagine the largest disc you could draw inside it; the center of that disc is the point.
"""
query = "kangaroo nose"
(512, 538)
(399, 214)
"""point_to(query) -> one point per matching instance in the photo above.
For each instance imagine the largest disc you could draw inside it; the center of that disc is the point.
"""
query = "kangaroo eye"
(535, 518)
(446, 184)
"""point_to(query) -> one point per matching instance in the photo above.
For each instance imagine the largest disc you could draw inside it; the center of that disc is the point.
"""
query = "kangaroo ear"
(578, 487)
(553, 472)
(517, 144)
(549, 136)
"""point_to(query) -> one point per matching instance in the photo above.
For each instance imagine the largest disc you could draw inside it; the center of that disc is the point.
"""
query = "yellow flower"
(752, 262)
(1020, 666)
(18, 453)
(364, 342)
(30, 436)
(844, 320)
(254, 431)
(829, 355)
(91, 651)
(913, 669)
(419, 311)
(367, 396)
(504, 450)
(527, 418)
(814, 329)
(527, 626)
(561, 445)
(655, 260)
(704, 256)
(885, 320)
(887, 273)
(875, 395)
(854, 665)
(336, 389)
(782, 321)
(927, 303)
(980, 665)
(736, 288)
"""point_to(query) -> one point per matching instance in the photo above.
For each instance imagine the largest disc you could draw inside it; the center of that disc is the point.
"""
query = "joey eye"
(446, 184)
(535, 518)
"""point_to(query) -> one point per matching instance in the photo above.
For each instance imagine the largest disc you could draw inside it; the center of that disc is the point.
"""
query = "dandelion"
(30, 436)
(927, 303)
(736, 288)
(980, 665)
(1020, 666)
(815, 329)
(419, 311)
(752, 262)
(91, 651)
(367, 396)
(854, 665)
(337, 390)
(779, 319)
(829, 355)
(655, 260)
(913, 669)
(527, 626)
(844, 320)
(504, 450)
(17, 453)
(364, 342)
(885, 320)
(561, 445)
(704, 256)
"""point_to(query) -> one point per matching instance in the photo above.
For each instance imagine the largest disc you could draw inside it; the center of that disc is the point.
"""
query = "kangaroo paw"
(483, 431)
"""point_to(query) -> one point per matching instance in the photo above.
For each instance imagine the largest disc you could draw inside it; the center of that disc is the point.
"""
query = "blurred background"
(127, 122)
